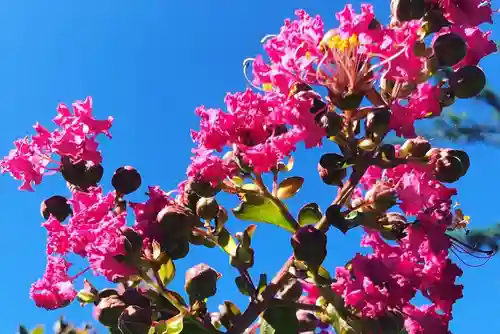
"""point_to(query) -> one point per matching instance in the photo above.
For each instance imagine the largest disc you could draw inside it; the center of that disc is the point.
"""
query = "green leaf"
(167, 272)
(37, 330)
(262, 283)
(243, 285)
(289, 187)
(258, 208)
(309, 214)
(279, 320)
(175, 324)
(226, 242)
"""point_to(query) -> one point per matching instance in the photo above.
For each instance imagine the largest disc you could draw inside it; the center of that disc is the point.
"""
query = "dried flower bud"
(133, 242)
(415, 147)
(82, 175)
(449, 49)
(435, 20)
(449, 165)
(309, 246)
(377, 122)
(56, 206)
(177, 222)
(332, 123)
(201, 282)
(126, 180)
(207, 208)
(331, 168)
(135, 319)
(467, 82)
(108, 310)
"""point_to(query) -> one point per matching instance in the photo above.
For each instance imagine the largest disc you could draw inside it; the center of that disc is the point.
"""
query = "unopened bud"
(135, 319)
(176, 248)
(335, 218)
(307, 321)
(204, 188)
(346, 102)
(387, 152)
(207, 208)
(201, 282)
(449, 49)
(176, 222)
(83, 175)
(415, 147)
(332, 123)
(331, 168)
(407, 10)
(56, 206)
(133, 242)
(136, 297)
(309, 246)
(126, 180)
(449, 165)
(108, 310)
(467, 82)
(392, 225)
(435, 20)
(377, 122)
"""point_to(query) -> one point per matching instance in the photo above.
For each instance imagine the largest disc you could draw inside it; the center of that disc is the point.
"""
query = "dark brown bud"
(449, 165)
(318, 105)
(415, 147)
(309, 246)
(136, 297)
(83, 175)
(377, 122)
(347, 102)
(407, 10)
(332, 123)
(336, 219)
(126, 180)
(331, 168)
(176, 248)
(108, 310)
(307, 321)
(204, 189)
(176, 221)
(446, 97)
(435, 20)
(449, 49)
(387, 152)
(201, 282)
(133, 242)
(136, 320)
(467, 82)
(56, 206)
(207, 208)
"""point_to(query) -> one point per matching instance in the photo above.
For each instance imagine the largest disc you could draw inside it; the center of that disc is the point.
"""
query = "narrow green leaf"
(258, 208)
(262, 283)
(226, 242)
(37, 330)
(289, 187)
(309, 214)
(85, 297)
(167, 272)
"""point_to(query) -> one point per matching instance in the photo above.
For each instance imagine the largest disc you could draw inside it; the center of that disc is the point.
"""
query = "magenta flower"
(75, 137)
(425, 320)
(467, 12)
(55, 289)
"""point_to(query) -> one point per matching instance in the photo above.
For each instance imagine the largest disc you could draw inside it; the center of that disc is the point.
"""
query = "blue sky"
(149, 64)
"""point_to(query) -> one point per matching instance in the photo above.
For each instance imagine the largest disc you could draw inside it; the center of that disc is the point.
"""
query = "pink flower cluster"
(75, 138)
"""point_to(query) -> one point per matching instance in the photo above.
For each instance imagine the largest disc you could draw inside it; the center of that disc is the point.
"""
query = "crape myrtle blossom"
(75, 138)
(94, 232)
(470, 12)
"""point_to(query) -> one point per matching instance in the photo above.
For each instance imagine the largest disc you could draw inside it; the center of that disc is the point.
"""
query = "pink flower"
(425, 320)
(467, 12)
(478, 43)
(55, 289)
(75, 138)
(421, 104)
(206, 166)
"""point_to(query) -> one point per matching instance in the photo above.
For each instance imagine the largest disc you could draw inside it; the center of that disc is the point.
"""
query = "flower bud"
(449, 165)
(335, 218)
(207, 208)
(204, 189)
(309, 246)
(331, 168)
(415, 147)
(381, 197)
(377, 122)
(435, 20)
(133, 242)
(176, 248)
(135, 319)
(467, 82)
(407, 10)
(387, 152)
(449, 49)
(136, 297)
(126, 180)
(83, 175)
(392, 225)
(56, 206)
(318, 105)
(176, 222)
(201, 282)
(349, 101)
(332, 123)
(108, 310)
(446, 97)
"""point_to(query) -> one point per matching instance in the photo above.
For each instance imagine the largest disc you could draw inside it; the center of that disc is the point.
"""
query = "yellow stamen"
(267, 87)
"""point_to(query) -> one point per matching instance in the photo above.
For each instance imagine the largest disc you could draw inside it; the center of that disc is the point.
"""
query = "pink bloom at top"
(75, 138)
(467, 12)
(421, 104)
(478, 43)
(352, 23)
(205, 166)
(55, 289)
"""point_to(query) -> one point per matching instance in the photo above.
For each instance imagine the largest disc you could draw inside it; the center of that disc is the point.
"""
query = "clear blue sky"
(149, 64)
